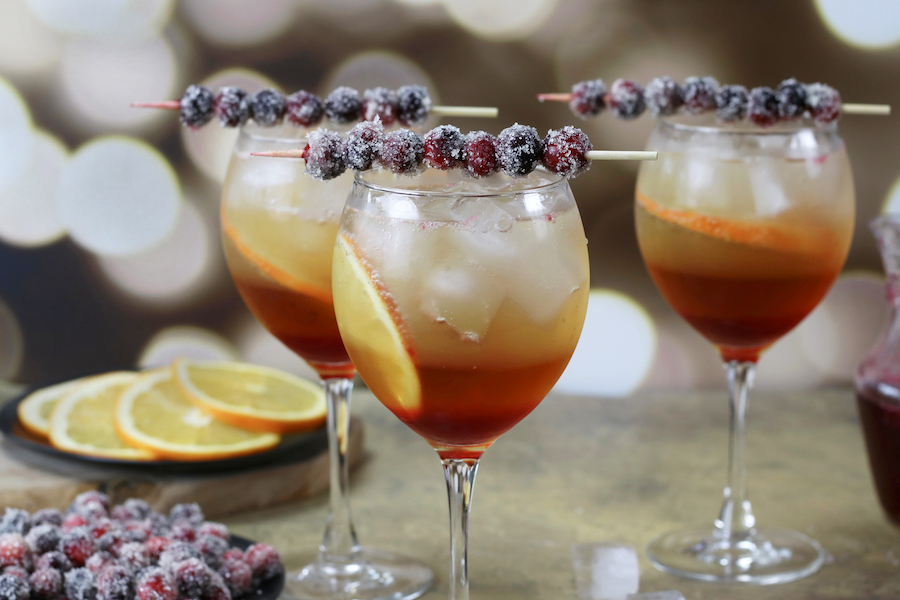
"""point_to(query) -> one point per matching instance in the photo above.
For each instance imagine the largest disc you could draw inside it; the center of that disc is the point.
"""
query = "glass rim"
(745, 127)
(360, 178)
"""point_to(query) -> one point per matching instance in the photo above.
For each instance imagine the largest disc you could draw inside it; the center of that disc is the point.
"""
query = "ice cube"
(465, 299)
(667, 595)
(397, 206)
(605, 571)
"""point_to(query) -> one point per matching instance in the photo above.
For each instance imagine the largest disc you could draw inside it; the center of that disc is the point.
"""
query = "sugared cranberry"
(80, 584)
(44, 538)
(196, 111)
(364, 145)
(115, 583)
(663, 96)
(217, 590)
(16, 572)
(413, 105)
(112, 541)
(101, 526)
(211, 549)
(135, 556)
(700, 94)
(72, 521)
(159, 524)
(445, 148)
(214, 529)
(343, 105)
(519, 150)
(15, 520)
(324, 155)
(49, 516)
(263, 560)
(177, 552)
(791, 99)
(13, 588)
(731, 103)
(380, 103)
(14, 551)
(626, 99)
(156, 584)
(183, 531)
(304, 109)
(99, 561)
(564, 151)
(588, 98)
(193, 577)
(823, 103)
(403, 151)
(233, 554)
(156, 546)
(762, 106)
(232, 108)
(78, 544)
(267, 107)
(85, 498)
(481, 154)
(237, 575)
(139, 509)
(46, 584)
(54, 560)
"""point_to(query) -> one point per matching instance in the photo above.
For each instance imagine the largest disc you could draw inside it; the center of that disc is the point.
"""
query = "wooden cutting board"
(31, 482)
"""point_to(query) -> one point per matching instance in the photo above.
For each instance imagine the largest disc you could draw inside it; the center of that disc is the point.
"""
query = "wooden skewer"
(882, 110)
(164, 104)
(488, 112)
(592, 155)
(292, 153)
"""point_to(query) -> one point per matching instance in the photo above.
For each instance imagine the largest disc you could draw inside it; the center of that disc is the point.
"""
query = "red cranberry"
(264, 560)
(46, 584)
(156, 546)
(564, 151)
(481, 154)
(215, 530)
(14, 551)
(72, 521)
(445, 148)
(193, 577)
(156, 584)
(77, 545)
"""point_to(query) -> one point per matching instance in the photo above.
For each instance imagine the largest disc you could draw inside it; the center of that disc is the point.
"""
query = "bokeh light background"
(109, 246)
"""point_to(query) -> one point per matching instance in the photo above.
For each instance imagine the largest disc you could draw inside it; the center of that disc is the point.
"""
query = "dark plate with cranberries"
(94, 551)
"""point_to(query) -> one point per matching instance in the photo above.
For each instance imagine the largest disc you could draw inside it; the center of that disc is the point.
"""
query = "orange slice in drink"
(373, 332)
(252, 397)
(778, 236)
(153, 413)
(268, 247)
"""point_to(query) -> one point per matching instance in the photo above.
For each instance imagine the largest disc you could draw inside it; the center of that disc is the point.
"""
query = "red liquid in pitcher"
(880, 418)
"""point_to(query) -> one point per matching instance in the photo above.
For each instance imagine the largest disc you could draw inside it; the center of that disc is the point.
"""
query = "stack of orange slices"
(186, 411)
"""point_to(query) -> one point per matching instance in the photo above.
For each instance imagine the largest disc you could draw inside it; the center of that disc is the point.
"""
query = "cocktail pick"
(487, 112)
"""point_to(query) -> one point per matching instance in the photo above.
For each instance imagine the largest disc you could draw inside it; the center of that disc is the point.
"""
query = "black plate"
(270, 588)
(293, 448)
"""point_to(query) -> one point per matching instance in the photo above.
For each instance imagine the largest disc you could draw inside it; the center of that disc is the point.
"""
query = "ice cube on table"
(605, 571)
(667, 595)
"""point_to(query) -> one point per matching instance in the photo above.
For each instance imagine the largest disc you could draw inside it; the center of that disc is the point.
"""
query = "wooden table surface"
(590, 470)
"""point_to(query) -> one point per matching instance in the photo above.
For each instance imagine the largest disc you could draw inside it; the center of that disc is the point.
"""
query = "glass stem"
(460, 475)
(736, 518)
(340, 543)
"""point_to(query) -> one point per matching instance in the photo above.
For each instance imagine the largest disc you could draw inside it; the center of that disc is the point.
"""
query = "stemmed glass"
(278, 228)
(743, 230)
(460, 301)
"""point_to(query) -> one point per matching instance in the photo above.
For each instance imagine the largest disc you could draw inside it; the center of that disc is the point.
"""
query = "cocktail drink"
(460, 301)
(278, 229)
(743, 230)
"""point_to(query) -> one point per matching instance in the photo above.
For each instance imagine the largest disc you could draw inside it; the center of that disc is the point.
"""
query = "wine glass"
(743, 229)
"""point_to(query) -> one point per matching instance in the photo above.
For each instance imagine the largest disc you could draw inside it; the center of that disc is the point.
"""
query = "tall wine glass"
(279, 227)
(460, 301)
(743, 230)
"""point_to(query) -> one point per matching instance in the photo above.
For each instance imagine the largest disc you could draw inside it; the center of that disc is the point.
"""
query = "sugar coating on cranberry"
(823, 103)
(43, 538)
(214, 529)
(217, 589)
(324, 155)
(72, 521)
(403, 151)
(177, 552)
(47, 515)
(115, 583)
(84, 498)
(791, 99)
(16, 572)
(155, 546)
(211, 549)
(13, 588)
(380, 103)
(77, 545)
(156, 584)
(46, 584)
(519, 150)
(343, 105)
(99, 561)
(588, 98)
(663, 96)
(139, 509)
(196, 107)
(15, 521)
(413, 105)
(565, 150)
(237, 575)
(363, 145)
(135, 556)
(53, 560)
(445, 148)
(14, 551)
(304, 109)
(183, 530)
(762, 106)
(626, 99)
(267, 107)
(111, 541)
(193, 577)
(731, 103)
(159, 524)
(232, 108)
(263, 560)
(233, 554)
(80, 584)
(700, 94)
(481, 154)
(100, 526)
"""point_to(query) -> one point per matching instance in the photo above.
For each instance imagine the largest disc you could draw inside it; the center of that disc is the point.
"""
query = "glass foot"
(764, 557)
(377, 575)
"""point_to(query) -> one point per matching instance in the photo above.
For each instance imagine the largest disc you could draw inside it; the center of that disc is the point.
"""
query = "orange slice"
(252, 397)
(780, 236)
(374, 333)
(35, 410)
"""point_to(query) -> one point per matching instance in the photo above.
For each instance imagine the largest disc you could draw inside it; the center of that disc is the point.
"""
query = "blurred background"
(83, 288)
